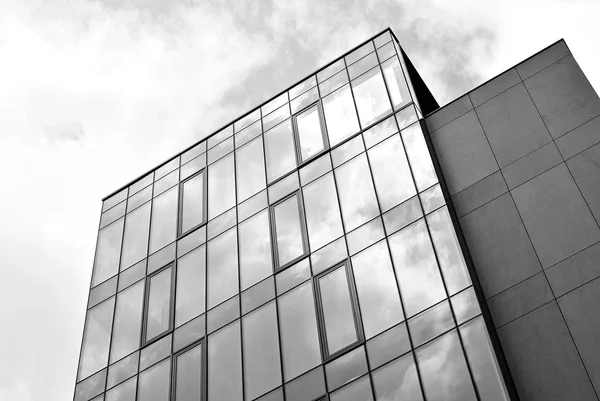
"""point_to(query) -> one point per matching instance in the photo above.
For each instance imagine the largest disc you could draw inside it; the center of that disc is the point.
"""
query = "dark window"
(288, 230)
(192, 208)
(309, 126)
(159, 303)
(338, 312)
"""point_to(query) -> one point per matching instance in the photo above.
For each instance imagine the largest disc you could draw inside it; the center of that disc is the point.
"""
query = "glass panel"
(432, 198)
(154, 382)
(347, 151)
(483, 363)
(222, 268)
(191, 241)
(365, 235)
(303, 86)
(140, 198)
(274, 104)
(391, 173)
(377, 291)
(333, 83)
(192, 167)
(283, 187)
(310, 135)
(306, 387)
(430, 323)
(379, 132)
(124, 392)
(90, 387)
(338, 314)
(219, 151)
(219, 136)
(371, 97)
(330, 70)
(360, 390)
(465, 305)
(444, 371)
(246, 120)
(106, 263)
(258, 295)
(402, 215)
(193, 152)
(94, 351)
(131, 275)
(165, 183)
(123, 369)
(276, 117)
(164, 220)
(386, 52)
(329, 255)
(397, 381)
(221, 223)
(255, 249)
(155, 352)
(128, 322)
(292, 276)
(323, 219)
(340, 115)
(115, 199)
(192, 207)
(275, 395)
(290, 244)
(406, 116)
(299, 338)
(448, 251)
(191, 281)
(166, 168)
(388, 345)
(188, 382)
(417, 271)
(346, 368)
(395, 82)
(315, 169)
(250, 169)
(142, 183)
(262, 369)
(161, 258)
(363, 65)
(189, 332)
(419, 157)
(223, 314)
(280, 150)
(112, 214)
(382, 39)
(225, 364)
(221, 187)
(252, 205)
(102, 292)
(158, 317)
(356, 192)
(304, 100)
(360, 52)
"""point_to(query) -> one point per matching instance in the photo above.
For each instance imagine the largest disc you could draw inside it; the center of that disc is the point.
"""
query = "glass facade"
(305, 252)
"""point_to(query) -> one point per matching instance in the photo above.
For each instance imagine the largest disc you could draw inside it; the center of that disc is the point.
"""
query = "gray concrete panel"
(448, 113)
(543, 359)
(543, 59)
(579, 139)
(479, 193)
(575, 271)
(532, 165)
(512, 125)
(555, 215)
(564, 96)
(499, 246)
(463, 152)
(494, 87)
(585, 168)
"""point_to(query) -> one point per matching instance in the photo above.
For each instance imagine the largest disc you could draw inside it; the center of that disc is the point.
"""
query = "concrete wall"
(521, 159)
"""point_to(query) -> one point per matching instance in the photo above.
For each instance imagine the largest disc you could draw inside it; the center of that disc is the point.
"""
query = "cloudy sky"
(95, 92)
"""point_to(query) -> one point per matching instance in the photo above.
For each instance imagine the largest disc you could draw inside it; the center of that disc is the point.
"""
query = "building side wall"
(521, 159)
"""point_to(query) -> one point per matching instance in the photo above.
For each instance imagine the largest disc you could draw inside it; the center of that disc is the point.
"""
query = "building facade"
(334, 244)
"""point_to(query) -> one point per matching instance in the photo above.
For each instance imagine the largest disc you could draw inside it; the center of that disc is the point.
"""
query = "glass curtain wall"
(304, 252)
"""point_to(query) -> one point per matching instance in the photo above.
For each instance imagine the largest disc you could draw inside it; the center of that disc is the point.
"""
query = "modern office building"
(349, 240)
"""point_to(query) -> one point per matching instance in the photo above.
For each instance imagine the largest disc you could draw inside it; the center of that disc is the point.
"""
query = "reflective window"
(192, 203)
(135, 240)
(323, 219)
(191, 279)
(299, 338)
(346, 368)
(280, 151)
(222, 268)
(372, 100)
(122, 370)
(94, 351)
(416, 269)
(158, 309)
(262, 370)
(431, 323)
(419, 157)
(391, 173)
(334, 293)
(123, 392)
(221, 186)
(225, 364)
(250, 169)
(388, 345)
(128, 322)
(340, 115)
(356, 192)
(288, 235)
(90, 387)
(444, 370)
(363, 65)
(448, 251)
(188, 375)
(395, 82)
(397, 381)
(154, 383)
(164, 220)
(309, 126)
(108, 250)
(377, 291)
(255, 249)
(359, 390)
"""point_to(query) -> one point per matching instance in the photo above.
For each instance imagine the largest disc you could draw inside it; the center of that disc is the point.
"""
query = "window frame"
(273, 230)
(144, 341)
(360, 337)
(180, 232)
(297, 141)
(202, 343)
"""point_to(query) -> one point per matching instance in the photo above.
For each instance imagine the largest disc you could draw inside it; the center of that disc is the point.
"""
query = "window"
(255, 249)
(191, 278)
(340, 115)
(338, 311)
(279, 150)
(128, 322)
(135, 239)
(163, 226)
(159, 303)
(310, 132)
(288, 230)
(192, 208)
(221, 186)
(250, 169)
(96, 337)
(154, 382)
(189, 373)
(108, 250)
(371, 97)
(225, 364)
